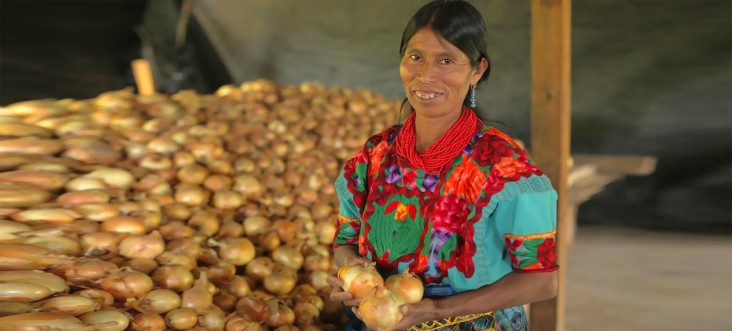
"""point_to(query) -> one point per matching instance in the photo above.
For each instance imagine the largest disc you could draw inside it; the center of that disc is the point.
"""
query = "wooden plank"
(550, 127)
(635, 165)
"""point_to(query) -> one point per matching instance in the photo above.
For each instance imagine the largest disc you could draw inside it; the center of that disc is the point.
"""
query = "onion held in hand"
(380, 309)
(360, 280)
(406, 286)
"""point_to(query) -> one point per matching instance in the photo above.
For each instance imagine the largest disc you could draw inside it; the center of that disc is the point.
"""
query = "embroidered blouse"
(489, 212)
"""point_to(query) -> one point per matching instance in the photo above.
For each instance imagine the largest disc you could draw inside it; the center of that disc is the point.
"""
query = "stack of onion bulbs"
(177, 212)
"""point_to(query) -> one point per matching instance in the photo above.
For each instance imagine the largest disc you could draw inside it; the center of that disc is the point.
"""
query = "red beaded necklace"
(444, 150)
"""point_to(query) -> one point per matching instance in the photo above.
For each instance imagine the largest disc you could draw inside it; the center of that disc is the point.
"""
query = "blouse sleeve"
(350, 187)
(528, 221)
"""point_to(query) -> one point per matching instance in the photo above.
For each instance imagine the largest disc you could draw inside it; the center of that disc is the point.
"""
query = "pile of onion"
(180, 211)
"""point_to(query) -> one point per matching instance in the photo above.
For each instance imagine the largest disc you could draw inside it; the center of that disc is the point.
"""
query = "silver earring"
(472, 96)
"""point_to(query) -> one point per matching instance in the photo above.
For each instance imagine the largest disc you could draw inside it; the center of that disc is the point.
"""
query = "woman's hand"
(416, 313)
(338, 294)
(412, 314)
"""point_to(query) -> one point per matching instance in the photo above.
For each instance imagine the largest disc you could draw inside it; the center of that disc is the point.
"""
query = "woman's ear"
(479, 70)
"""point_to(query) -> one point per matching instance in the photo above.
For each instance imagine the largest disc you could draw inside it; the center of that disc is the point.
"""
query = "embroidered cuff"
(532, 253)
(347, 231)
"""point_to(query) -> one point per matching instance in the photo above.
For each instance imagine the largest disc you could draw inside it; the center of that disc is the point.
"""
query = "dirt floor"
(627, 279)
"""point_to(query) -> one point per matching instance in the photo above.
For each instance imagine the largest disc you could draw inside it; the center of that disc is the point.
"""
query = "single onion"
(252, 308)
(181, 319)
(102, 298)
(53, 282)
(227, 200)
(211, 318)
(170, 258)
(306, 313)
(205, 222)
(173, 277)
(269, 240)
(20, 291)
(142, 246)
(260, 267)
(225, 301)
(254, 225)
(289, 257)
(239, 286)
(380, 309)
(236, 322)
(192, 173)
(281, 282)
(143, 265)
(238, 251)
(158, 301)
(406, 286)
(123, 224)
(177, 211)
(198, 296)
(73, 305)
(148, 322)
(318, 279)
(230, 228)
(126, 284)
(43, 321)
(360, 280)
(278, 313)
(176, 230)
(107, 320)
(218, 183)
(14, 308)
(98, 243)
(191, 194)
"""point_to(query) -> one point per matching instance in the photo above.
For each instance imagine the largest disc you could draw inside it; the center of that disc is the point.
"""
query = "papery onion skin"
(106, 320)
(23, 292)
(173, 277)
(181, 319)
(142, 246)
(127, 284)
(147, 322)
(158, 301)
(73, 305)
(360, 280)
(43, 321)
(380, 309)
(53, 282)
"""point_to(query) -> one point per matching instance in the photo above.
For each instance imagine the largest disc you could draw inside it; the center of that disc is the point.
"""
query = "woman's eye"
(446, 61)
(414, 57)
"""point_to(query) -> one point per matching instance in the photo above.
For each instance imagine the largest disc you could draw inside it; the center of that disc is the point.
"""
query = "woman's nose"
(427, 72)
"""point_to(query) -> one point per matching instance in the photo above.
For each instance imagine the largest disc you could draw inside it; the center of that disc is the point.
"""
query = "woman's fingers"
(357, 260)
(334, 281)
(347, 298)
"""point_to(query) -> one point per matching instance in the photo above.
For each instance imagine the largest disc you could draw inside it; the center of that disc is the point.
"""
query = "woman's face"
(436, 74)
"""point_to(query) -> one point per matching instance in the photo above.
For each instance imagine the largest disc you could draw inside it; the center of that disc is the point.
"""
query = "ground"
(625, 279)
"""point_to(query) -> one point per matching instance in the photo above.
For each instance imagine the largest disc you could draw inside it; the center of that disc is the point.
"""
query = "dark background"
(648, 77)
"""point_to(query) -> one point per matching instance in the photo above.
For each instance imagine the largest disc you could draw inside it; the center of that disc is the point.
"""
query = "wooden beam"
(550, 128)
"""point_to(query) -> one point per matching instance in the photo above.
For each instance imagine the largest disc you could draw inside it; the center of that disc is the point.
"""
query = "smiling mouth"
(426, 96)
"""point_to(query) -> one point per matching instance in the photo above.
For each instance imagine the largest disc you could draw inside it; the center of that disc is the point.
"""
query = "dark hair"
(460, 24)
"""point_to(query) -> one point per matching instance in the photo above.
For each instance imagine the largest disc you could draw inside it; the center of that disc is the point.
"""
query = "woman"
(446, 196)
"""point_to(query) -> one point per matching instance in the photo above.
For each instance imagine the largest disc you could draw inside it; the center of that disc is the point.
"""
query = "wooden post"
(550, 128)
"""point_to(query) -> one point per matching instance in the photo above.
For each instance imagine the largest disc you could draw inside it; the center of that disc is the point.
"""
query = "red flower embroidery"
(513, 245)
(547, 253)
(449, 214)
(466, 181)
(377, 155)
